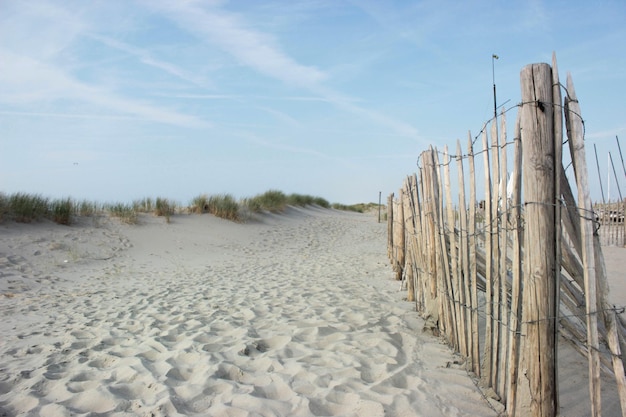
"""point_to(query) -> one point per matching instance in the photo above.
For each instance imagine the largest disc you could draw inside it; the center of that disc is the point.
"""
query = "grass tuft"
(164, 208)
(359, 208)
(86, 208)
(62, 210)
(26, 208)
(224, 206)
(200, 204)
(124, 212)
(273, 201)
(4, 207)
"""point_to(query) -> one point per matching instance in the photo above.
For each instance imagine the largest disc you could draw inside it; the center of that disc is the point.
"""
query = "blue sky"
(118, 100)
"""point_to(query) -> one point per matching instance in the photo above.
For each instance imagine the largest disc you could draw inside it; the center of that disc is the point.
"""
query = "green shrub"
(61, 211)
(26, 208)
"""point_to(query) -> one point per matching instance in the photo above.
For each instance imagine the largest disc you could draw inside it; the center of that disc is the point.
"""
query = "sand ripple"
(291, 317)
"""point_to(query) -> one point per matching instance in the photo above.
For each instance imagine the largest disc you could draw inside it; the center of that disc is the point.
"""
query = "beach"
(292, 314)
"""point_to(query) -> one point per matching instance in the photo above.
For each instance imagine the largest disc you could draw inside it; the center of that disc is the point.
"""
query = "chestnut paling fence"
(505, 276)
(610, 223)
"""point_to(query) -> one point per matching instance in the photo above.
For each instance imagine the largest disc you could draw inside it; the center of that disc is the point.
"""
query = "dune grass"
(26, 208)
(62, 210)
(276, 201)
(358, 208)
(219, 205)
(126, 213)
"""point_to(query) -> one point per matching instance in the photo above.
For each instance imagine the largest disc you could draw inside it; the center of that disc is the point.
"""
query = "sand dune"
(290, 315)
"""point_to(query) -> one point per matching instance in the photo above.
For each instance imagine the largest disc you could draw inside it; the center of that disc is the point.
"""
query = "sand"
(288, 315)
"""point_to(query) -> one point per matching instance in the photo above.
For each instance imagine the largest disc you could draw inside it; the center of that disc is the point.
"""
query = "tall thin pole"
(599, 175)
(380, 193)
(620, 155)
(619, 191)
(493, 77)
(608, 179)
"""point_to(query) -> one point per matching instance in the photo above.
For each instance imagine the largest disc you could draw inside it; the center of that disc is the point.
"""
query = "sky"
(116, 100)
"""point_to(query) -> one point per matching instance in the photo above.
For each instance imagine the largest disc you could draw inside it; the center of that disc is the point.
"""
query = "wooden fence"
(503, 276)
(610, 222)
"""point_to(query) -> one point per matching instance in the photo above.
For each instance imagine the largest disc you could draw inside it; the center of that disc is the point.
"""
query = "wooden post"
(444, 261)
(496, 225)
(409, 258)
(539, 307)
(516, 283)
(419, 244)
(473, 273)
(431, 233)
(504, 243)
(455, 287)
(577, 148)
(558, 162)
(487, 373)
(612, 325)
(464, 280)
(390, 228)
(398, 236)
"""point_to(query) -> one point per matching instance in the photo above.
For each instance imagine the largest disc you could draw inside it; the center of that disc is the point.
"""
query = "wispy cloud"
(261, 52)
(24, 80)
(146, 58)
(251, 48)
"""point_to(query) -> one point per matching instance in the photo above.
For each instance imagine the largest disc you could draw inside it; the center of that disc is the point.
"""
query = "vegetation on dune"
(224, 206)
(126, 213)
(26, 208)
(359, 208)
(62, 211)
(164, 207)
(276, 201)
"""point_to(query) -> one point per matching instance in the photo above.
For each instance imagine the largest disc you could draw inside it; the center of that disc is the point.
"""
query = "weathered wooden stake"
(487, 373)
(577, 149)
(473, 273)
(516, 283)
(539, 309)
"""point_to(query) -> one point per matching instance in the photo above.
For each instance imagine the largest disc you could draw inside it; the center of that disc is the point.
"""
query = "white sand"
(292, 315)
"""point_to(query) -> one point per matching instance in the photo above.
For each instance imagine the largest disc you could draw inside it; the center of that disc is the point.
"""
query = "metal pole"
(620, 155)
(493, 77)
(608, 179)
(619, 190)
(379, 201)
(599, 175)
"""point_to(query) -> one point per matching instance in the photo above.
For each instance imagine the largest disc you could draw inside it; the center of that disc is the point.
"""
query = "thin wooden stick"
(464, 286)
(455, 287)
(577, 149)
(487, 373)
(516, 284)
(504, 243)
(444, 261)
(473, 274)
